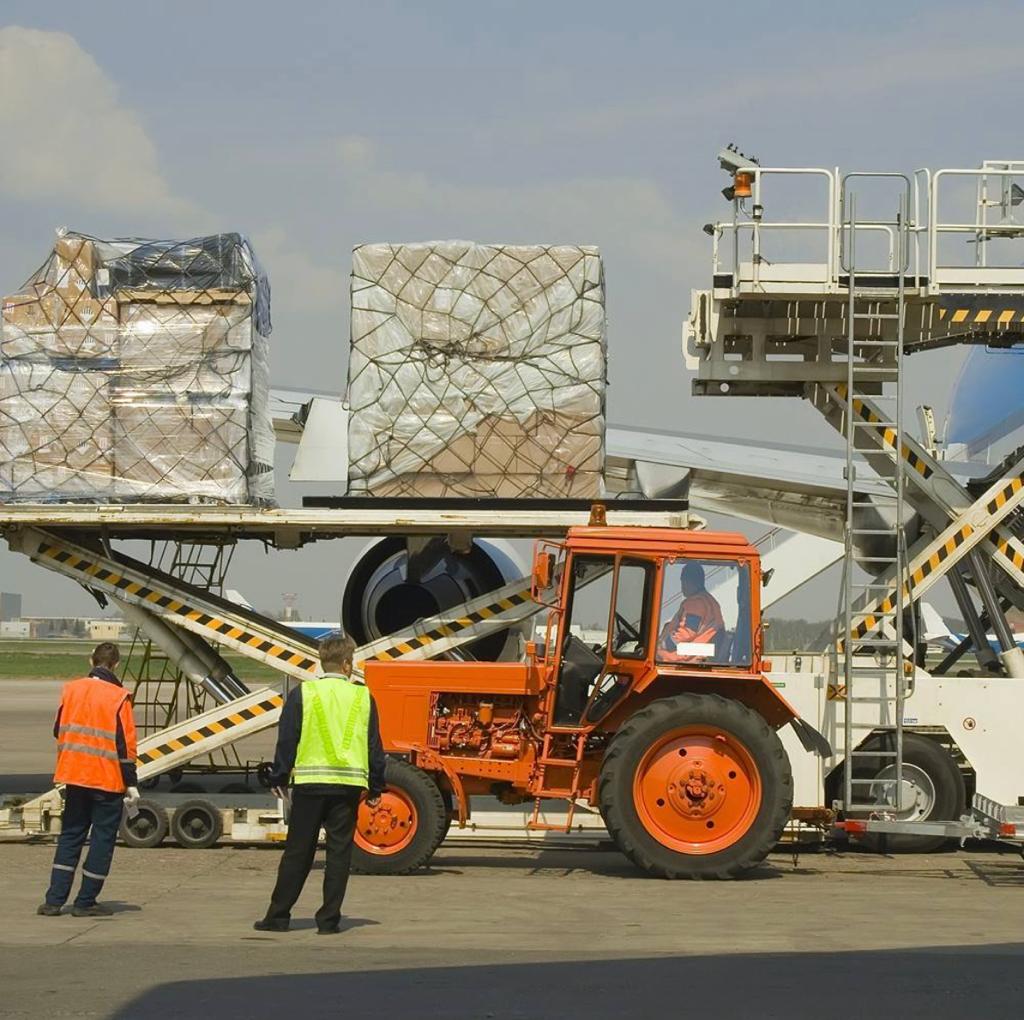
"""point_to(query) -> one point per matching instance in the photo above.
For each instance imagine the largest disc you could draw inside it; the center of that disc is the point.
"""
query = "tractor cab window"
(705, 613)
(585, 637)
(591, 619)
(631, 621)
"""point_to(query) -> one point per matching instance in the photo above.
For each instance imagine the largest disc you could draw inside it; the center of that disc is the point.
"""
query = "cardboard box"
(479, 369)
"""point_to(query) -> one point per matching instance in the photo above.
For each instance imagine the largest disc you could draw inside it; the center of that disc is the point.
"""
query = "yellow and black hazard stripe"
(989, 312)
(229, 720)
(872, 618)
(888, 436)
(93, 571)
(453, 627)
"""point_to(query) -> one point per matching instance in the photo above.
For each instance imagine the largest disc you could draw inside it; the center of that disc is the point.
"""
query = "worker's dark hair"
(336, 653)
(693, 573)
(106, 655)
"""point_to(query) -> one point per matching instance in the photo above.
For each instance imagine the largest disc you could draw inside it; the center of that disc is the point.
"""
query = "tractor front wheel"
(401, 833)
(696, 786)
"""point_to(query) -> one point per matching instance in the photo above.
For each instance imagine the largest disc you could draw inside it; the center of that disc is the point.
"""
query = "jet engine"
(397, 581)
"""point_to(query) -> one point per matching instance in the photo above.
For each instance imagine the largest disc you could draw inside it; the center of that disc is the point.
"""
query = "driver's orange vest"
(705, 619)
(87, 734)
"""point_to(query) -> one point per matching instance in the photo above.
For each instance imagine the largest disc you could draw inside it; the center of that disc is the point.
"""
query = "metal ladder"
(871, 662)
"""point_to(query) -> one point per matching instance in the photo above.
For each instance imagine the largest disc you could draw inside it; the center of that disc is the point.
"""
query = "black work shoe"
(266, 925)
(48, 910)
(96, 910)
(330, 929)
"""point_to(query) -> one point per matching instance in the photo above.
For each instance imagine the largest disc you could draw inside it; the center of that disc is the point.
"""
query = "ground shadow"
(940, 984)
(120, 907)
(309, 924)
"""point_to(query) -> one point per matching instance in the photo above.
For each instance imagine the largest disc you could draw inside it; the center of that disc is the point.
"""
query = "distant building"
(106, 630)
(15, 629)
(10, 605)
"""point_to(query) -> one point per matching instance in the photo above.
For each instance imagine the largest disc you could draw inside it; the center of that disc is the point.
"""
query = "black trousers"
(336, 813)
(92, 815)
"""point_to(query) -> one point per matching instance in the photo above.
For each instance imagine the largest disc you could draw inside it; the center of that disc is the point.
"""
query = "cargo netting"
(477, 370)
(137, 370)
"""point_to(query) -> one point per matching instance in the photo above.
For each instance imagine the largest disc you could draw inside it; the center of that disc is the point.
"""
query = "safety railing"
(981, 232)
(739, 246)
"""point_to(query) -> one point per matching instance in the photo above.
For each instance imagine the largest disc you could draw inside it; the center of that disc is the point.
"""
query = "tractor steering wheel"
(630, 631)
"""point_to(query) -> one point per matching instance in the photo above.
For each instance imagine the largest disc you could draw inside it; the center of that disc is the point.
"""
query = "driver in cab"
(690, 635)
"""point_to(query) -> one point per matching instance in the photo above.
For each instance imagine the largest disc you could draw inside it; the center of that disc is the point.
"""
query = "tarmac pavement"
(525, 932)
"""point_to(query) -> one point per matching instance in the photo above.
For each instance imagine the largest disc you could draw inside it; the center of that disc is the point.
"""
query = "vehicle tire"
(196, 825)
(148, 828)
(933, 790)
(449, 813)
(696, 786)
(401, 834)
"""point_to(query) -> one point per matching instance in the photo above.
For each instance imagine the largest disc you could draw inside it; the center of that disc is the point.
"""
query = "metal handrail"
(922, 189)
(1014, 168)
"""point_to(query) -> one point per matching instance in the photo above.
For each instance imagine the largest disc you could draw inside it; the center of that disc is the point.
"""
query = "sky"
(317, 126)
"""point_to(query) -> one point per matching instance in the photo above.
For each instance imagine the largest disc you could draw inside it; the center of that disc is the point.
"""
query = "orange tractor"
(647, 700)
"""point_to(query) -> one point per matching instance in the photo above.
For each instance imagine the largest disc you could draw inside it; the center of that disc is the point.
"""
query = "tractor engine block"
(481, 725)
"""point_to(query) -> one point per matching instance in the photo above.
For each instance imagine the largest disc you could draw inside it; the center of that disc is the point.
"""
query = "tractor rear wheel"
(403, 831)
(696, 786)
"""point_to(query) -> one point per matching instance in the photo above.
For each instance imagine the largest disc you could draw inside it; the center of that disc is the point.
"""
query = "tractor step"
(563, 826)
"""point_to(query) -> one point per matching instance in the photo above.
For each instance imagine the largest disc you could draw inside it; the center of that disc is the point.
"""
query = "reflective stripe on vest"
(334, 745)
(87, 736)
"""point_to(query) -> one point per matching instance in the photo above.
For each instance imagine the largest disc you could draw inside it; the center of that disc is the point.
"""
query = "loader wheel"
(403, 831)
(933, 790)
(148, 828)
(696, 786)
(196, 825)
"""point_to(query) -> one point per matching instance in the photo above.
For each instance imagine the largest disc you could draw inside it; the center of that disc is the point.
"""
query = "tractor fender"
(756, 692)
(431, 762)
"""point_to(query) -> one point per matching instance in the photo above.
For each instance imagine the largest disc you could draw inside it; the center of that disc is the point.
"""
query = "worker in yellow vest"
(329, 749)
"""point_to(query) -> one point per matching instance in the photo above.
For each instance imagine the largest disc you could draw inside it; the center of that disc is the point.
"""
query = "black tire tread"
(950, 794)
(665, 709)
(182, 839)
(432, 817)
(159, 834)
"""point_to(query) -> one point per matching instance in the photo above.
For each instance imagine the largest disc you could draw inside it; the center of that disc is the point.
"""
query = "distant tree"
(797, 635)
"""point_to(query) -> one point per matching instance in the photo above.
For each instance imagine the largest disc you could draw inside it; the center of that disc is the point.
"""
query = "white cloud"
(297, 278)
(67, 136)
(631, 215)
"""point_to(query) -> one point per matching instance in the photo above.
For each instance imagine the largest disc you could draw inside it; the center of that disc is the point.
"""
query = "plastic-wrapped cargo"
(134, 370)
(477, 370)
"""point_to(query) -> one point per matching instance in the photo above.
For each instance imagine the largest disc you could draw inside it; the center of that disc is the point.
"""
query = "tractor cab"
(629, 606)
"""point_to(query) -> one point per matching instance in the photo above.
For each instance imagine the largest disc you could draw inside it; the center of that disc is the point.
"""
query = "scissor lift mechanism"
(834, 331)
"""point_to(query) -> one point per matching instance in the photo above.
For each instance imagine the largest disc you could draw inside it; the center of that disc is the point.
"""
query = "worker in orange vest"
(696, 623)
(96, 753)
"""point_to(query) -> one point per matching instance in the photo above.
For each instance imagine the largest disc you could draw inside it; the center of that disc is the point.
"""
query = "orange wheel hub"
(697, 790)
(388, 827)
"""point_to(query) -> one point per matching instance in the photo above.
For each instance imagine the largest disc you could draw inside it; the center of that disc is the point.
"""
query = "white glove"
(131, 801)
